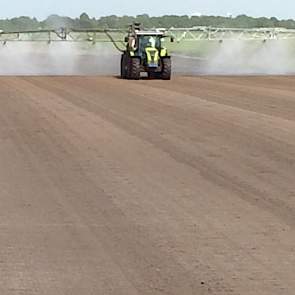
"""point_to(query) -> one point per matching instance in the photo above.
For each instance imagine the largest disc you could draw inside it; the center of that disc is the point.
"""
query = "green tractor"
(145, 53)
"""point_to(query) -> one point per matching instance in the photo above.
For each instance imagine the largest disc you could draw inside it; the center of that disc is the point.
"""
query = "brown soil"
(147, 187)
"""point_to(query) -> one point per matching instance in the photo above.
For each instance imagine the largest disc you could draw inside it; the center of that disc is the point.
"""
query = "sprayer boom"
(117, 35)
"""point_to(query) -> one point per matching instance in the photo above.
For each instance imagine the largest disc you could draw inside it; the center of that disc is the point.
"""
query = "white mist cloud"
(60, 58)
(252, 57)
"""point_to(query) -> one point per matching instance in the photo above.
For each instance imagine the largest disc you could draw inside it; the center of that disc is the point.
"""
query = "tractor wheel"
(134, 70)
(166, 69)
(124, 66)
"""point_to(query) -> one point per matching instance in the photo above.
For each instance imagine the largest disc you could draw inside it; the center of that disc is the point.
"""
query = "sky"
(96, 8)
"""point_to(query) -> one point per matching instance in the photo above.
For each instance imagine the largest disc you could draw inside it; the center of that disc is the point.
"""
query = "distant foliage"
(113, 21)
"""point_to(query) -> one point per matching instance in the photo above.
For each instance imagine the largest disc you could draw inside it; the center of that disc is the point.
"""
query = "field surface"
(150, 187)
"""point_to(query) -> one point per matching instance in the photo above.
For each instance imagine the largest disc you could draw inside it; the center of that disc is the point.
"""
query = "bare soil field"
(123, 187)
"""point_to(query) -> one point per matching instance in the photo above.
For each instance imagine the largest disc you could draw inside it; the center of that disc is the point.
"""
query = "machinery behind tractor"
(145, 52)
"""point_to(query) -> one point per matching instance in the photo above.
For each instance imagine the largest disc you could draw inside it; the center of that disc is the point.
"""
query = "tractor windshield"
(149, 41)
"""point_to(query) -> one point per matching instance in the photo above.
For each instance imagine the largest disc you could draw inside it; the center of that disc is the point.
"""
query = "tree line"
(166, 21)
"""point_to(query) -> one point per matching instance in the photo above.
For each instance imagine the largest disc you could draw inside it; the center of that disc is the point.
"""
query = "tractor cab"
(149, 48)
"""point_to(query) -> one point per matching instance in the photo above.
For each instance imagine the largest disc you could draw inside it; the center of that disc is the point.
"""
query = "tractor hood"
(153, 57)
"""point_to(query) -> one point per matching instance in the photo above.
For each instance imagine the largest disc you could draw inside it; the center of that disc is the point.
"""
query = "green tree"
(113, 21)
(85, 21)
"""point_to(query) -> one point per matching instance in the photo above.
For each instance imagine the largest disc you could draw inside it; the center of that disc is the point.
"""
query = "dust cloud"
(272, 57)
(244, 57)
(57, 58)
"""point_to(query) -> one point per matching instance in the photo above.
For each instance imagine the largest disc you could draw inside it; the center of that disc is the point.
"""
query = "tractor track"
(120, 187)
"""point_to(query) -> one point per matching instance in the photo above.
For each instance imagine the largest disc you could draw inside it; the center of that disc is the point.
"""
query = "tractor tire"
(134, 70)
(124, 66)
(166, 69)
